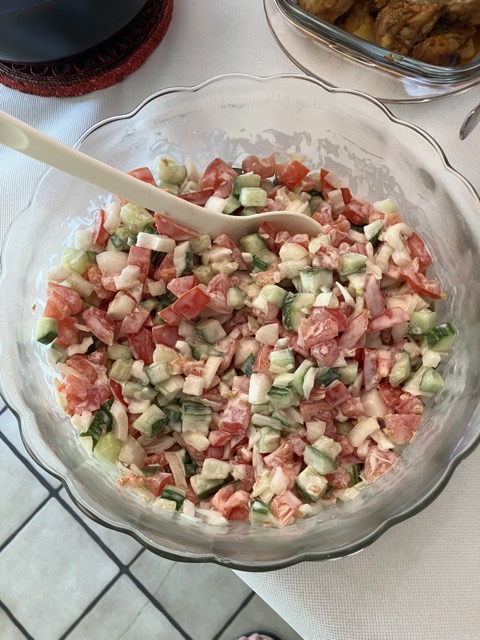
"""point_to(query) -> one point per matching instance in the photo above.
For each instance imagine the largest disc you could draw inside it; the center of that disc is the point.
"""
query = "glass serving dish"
(233, 116)
(347, 61)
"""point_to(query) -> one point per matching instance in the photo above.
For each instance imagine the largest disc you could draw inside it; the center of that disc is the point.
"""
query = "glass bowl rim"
(421, 503)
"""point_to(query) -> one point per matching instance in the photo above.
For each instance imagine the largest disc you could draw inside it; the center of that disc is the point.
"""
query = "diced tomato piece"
(228, 346)
(108, 283)
(198, 197)
(224, 241)
(356, 211)
(371, 377)
(100, 324)
(116, 389)
(316, 410)
(268, 234)
(384, 362)
(191, 303)
(337, 393)
(356, 330)
(326, 257)
(158, 482)
(62, 302)
(347, 446)
(217, 173)
(96, 394)
(215, 452)
(166, 270)
(236, 417)
(83, 366)
(325, 354)
(292, 173)
(244, 473)
(165, 334)
(374, 299)
(329, 182)
(179, 286)
(213, 398)
(237, 507)
(338, 315)
(262, 361)
(299, 238)
(352, 408)
(391, 395)
(144, 174)
(401, 427)
(264, 167)
(68, 333)
(284, 507)
(219, 438)
(418, 249)
(140, 257)
(217, 289)
(377, 463)
(170, 316)
(409, 404)
(390, 219)
(311, 334)
(338, 479)
(134, 321)
(100, 234)
(142, 345)
(175, 230)
(420, 283)
(388, 319)
(94, 276)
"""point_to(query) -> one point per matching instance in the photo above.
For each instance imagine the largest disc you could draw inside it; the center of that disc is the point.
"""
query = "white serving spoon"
(21, 137)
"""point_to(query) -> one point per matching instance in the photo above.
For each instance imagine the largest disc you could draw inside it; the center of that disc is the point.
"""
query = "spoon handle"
(21, 137)
(470, 122)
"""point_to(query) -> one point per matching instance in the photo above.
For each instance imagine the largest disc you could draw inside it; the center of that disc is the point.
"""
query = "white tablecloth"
(421, 579)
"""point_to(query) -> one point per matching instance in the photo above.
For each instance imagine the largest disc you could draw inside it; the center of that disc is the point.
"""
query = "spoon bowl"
(19, 136)
(470, 122)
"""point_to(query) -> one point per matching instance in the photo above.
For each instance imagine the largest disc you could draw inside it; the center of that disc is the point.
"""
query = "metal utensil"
(470, 122)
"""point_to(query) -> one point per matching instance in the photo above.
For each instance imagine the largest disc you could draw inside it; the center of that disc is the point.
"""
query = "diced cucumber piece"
(371, 231)
(283, 397)
(139, 391)
(134, 218)
(253, 197)
(196, 417)
(75, 259)
(348, 373)
(282, 361)
(201, 243)
(108, 448)
(246, 180)
(102, 422)
(235, 298)
(253, 244)
(175, 494)
(312, 280)
(259, 387)
(116, 244)
(299, 375)
(422, 322)
(149, 303)
(328, 447)
(248, 211)
(261, 408)
(318, 461)
(203, 488)
(171, 388)
(46, 330)
(203, 351)
(269, 439)
(204, 273)
(311, 485)
(151, 421)
(210, 330)
(214, 469)
(158, 372)
(170, 171)
(431, 382)
(357, 282)
(121, 370)
(231, 204)
(315, 243)
(401, 370)
(259, 512)
(441, 338)
(293, 309)
(326, 376)
(247, 366)
(263, 260)
(274, 294)
(260, 420)
(351, 263)
(287, 421)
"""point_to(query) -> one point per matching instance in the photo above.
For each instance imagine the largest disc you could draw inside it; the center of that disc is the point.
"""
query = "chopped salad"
(261, 381)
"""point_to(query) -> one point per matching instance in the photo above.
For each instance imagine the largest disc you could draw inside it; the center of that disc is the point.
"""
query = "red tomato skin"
(198, 197)
(140, 257)
(292, 173)
(170, 316)
(192, 303)
(100, 234)
(217, 173)
(175, 230)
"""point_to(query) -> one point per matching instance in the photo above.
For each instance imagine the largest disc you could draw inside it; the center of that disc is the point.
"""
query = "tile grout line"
(4, 410)
(14, 621)
(24, 524)
(234, 615)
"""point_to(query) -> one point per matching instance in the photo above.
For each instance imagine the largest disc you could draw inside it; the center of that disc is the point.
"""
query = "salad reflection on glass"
(259, 382)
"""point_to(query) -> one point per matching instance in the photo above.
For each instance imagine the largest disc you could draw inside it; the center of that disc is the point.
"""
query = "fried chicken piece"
(402, 24)
(466, 11)
(359, 21)
(444, 45)
(328, 10)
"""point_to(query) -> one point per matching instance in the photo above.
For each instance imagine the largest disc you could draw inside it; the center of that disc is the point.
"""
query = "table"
(420, 580)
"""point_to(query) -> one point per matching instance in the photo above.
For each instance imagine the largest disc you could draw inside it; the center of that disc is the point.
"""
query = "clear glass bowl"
(233, 116)
(347, 61)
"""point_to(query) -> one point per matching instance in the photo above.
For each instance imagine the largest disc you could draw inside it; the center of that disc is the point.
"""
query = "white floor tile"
(152, 570)
(8, 630)
(9, 427)
(51, 571)
(23, 496)
(124, 613)
(200, 597)
(257, 615)
(122, 545)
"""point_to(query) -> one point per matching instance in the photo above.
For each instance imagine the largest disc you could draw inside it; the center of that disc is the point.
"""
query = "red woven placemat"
(99, 67)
